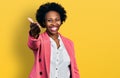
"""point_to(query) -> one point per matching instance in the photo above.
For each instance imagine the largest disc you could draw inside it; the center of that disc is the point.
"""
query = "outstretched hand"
(34, 28)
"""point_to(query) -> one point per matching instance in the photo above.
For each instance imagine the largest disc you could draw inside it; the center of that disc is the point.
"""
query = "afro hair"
(45, 8)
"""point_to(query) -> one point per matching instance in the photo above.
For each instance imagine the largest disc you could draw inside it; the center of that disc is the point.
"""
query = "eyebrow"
(55, 18)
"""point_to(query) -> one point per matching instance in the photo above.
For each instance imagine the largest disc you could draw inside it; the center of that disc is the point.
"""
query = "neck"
(53, 36)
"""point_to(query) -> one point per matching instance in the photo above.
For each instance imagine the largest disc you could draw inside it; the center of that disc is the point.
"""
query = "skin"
(52, 20)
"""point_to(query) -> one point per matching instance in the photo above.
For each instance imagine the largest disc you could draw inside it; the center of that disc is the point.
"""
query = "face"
(52, 22)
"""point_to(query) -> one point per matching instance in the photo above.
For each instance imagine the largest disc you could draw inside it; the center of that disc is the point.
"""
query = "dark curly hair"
(43, 9)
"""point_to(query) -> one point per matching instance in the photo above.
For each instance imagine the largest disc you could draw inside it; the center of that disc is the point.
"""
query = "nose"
(54, 22)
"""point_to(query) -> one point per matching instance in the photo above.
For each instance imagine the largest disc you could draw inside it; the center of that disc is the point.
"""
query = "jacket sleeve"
(33, 43)
(76, 70)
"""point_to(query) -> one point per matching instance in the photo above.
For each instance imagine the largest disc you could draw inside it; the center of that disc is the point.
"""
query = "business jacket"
(42, 51)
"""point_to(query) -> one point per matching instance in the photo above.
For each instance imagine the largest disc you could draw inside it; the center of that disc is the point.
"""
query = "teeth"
(54, 28)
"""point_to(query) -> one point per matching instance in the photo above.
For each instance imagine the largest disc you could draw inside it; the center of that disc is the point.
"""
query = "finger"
(37, 24)
(30, 20)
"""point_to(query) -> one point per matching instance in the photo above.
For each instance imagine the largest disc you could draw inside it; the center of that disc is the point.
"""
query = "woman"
(54, 54)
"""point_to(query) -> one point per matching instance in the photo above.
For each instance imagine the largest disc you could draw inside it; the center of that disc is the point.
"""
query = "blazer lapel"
(68, 47)
(47, 53)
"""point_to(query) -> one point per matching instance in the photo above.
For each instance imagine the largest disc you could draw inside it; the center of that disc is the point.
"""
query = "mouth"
(54, 29)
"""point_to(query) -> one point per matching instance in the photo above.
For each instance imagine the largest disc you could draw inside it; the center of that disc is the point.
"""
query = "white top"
(59, 60)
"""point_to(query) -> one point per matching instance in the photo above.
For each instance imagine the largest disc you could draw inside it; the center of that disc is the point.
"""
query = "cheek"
(59, 22)
(47, 24)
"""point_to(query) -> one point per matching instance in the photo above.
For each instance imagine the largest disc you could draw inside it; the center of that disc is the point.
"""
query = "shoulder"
(65, 39)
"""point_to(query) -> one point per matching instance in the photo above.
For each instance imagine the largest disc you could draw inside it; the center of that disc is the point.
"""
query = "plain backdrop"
(93, 26)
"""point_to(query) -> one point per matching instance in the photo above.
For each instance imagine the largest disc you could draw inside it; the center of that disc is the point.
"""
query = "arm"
(76, 70)
(34, 37)
(33, 43)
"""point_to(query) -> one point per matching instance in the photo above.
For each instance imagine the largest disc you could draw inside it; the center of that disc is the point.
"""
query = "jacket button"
(40, 73)
(39, 60)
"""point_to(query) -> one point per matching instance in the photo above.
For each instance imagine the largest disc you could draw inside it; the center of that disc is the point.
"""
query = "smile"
(54, 28)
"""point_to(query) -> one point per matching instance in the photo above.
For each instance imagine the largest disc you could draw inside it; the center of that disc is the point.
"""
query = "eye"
(57, 19)
(49, 20)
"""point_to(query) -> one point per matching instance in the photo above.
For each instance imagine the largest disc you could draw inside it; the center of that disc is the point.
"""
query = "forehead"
(52, 14)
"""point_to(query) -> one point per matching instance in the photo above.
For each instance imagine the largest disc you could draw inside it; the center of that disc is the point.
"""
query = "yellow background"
(93, 25)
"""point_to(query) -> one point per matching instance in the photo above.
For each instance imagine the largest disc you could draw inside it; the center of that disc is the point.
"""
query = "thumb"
(30, 20)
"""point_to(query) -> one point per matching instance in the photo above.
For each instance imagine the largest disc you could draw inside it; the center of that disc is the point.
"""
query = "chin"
(54, 33)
